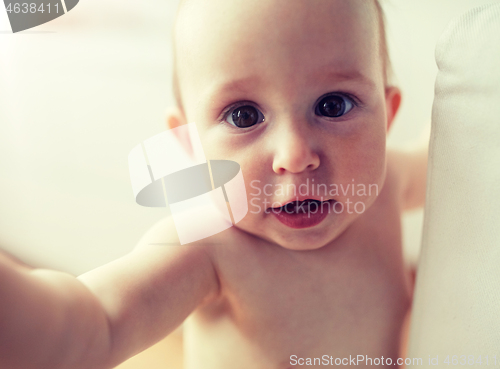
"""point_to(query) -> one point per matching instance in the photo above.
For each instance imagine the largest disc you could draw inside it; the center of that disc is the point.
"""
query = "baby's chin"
(298, 239)
(308, 241)
(303, 246)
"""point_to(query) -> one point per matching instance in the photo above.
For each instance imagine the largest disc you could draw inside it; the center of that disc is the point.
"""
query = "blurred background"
(78, 93)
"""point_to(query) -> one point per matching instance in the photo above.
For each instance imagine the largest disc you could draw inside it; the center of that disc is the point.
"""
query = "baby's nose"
(295, 149)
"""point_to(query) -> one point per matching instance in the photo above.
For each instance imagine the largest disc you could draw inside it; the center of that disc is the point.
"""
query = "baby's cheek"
(366, 171)
(374, 170)
(367, 159)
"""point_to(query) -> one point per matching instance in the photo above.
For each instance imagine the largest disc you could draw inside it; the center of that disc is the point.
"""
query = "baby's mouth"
(301, 207)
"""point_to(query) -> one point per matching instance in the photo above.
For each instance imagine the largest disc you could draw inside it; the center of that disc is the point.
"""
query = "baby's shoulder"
(162, 241)
(393, 187)
(406, 175)
(163, 233)
(162, 238)
(396, 166)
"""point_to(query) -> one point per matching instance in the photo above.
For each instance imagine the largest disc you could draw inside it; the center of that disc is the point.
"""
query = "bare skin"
(347, 298)
(260, 292)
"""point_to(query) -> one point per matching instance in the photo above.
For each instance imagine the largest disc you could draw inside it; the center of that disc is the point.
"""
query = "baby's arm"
(47, 319)
(50, 319)
(409, 166)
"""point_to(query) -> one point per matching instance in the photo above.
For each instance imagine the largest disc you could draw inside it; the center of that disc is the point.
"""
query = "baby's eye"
(244, 116)
(334, 106)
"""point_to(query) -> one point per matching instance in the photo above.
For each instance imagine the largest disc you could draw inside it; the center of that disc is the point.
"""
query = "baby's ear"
(176, 118)
(392, 103)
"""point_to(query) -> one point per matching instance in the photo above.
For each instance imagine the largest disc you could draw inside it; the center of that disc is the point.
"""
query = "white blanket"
(457, 302)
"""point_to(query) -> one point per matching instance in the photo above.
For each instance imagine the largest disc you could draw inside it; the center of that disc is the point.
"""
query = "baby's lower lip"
(308, 215)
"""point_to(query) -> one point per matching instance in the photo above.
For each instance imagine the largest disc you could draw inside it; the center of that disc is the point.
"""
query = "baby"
(297, 93)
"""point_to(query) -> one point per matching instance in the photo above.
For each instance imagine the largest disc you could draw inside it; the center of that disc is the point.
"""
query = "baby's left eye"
(334, 106)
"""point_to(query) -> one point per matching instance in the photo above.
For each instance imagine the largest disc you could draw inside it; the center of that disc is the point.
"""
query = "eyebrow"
(328, 74)
(249, 83)
(238, 85)
(223, 92)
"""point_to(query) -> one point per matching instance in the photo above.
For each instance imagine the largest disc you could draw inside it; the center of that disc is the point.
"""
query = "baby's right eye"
(334, 106)
(244, 116)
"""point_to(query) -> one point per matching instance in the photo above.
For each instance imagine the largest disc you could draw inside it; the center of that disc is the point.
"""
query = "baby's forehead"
(197, 18)
(216, 34)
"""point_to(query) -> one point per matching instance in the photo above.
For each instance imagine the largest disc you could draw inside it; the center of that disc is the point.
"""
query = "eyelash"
(224, 115)
(352, 100)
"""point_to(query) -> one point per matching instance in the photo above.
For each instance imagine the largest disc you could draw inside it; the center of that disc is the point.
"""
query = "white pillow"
(456, 309)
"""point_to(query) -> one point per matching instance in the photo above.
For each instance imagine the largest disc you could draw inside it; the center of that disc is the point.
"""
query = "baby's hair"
(384, 51)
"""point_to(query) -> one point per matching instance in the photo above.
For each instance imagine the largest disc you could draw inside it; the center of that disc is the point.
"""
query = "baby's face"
(292, 90)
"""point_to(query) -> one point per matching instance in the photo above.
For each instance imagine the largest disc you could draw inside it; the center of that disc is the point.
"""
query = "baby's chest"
(307, 301)
(322, 291)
